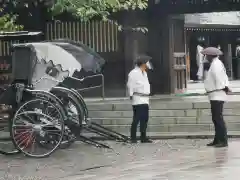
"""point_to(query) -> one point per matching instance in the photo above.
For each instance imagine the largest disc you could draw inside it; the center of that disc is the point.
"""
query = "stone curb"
(200, 135)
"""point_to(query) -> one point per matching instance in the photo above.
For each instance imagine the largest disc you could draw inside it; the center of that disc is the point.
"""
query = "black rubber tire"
(80, 115)
(69, 97)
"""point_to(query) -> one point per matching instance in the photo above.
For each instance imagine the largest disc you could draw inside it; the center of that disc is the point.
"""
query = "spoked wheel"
(68, 139)
(74, 111)
(75, 116)
(37, 128)
(6, 144)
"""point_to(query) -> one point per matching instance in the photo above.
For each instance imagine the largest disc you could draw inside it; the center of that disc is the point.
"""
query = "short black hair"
(142, 59)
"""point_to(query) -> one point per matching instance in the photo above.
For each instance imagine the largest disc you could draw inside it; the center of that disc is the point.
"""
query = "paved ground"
(163, 160)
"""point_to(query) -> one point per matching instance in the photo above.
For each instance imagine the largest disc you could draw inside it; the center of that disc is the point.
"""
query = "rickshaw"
(40, 70)
(90, 61)
(36, 117)
(21, 102)
(62, 52)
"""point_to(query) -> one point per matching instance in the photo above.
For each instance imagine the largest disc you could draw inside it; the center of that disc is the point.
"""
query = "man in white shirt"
(139, 90)
(216, 85)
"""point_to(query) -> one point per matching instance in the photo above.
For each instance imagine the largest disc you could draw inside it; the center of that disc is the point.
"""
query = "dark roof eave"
(212, 26)
(10, 35)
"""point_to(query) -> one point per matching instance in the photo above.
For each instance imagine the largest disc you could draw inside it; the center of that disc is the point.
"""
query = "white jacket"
(138, 83)
(216, 79)
(199, 55)
(200, 60)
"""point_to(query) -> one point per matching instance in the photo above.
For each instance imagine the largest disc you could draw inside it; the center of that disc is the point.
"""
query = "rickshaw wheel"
(75, 114)
(37, 128)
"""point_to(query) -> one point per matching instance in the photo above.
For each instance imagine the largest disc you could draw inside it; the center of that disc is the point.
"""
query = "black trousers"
(219, 124)
(140, 114)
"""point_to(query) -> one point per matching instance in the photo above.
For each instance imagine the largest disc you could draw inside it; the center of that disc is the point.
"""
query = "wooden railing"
(180, 74)
(99, 35)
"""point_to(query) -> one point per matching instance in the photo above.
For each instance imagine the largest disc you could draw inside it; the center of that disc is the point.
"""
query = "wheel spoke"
(33, 144)
(23, 141)
(28, 141)
(22, 134)
(38, 128)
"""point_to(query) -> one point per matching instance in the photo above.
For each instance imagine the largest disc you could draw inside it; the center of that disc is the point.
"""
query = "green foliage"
(8, 22)
(82, 9)
(87, 9)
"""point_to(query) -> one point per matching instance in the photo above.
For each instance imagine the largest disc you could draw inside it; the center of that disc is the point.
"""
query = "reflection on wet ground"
(163, 160)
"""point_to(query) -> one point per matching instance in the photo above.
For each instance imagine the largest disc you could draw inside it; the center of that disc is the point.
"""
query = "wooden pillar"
(130, 53)
(188, 62)
(227, 49)
(160, 35)
(227, 58)
(130, 43)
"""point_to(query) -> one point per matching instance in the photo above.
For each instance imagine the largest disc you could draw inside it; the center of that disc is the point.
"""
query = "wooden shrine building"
(165, 40)
(216, 31)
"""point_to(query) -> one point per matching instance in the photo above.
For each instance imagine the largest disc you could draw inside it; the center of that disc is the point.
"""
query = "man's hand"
(227, 90)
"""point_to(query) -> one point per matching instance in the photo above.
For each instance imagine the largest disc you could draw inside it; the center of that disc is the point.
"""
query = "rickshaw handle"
(48, 78)
(93, 87)
(52, 79)
(81, 80)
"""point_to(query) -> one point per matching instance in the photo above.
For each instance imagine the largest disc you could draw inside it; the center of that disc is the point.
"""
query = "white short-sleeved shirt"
(138, 83)
(216, 79)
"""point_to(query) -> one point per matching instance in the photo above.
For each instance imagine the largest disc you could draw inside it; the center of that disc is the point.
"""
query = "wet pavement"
(163, 160)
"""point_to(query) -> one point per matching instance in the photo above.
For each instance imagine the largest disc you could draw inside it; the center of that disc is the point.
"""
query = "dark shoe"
(221, 145)
(212, 143)
(146, 141)
(133, 141)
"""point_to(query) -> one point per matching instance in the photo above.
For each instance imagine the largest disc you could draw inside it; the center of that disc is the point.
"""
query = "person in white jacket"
(216, 86)
(200, 62)
(139, 90)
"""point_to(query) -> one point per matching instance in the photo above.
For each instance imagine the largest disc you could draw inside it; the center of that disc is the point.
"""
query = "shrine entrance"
(167, 40)
(221, 36)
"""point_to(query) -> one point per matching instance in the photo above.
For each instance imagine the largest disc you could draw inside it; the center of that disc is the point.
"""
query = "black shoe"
(146, 140)
(221, 145)
(212, 143)
(133, 141)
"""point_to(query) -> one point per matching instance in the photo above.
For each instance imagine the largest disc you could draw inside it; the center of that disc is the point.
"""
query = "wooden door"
(179, 55)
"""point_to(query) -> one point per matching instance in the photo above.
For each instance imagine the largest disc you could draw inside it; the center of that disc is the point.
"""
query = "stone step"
(173, 116)
(4, 136)
(175, 128)
(162, 113)
(170, 135)
(166, 120)
(180, 104)
(126, 105)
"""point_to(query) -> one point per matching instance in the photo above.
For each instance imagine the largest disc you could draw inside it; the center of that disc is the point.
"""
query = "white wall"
(226, 18)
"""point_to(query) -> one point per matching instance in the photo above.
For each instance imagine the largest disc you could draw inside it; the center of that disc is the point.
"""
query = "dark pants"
(140, 114)
(219, 124)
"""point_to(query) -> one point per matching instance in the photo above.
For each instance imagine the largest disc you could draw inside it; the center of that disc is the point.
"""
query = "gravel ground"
(164, 160)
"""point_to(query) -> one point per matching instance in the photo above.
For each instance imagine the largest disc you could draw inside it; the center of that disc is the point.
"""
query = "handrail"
(81, 80)
(44, 77)
(93, 87)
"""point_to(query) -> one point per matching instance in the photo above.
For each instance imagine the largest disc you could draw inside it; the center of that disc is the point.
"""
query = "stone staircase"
(169, 117)
(183, 117)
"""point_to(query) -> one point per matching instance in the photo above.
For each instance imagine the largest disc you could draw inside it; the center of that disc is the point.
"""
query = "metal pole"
(88, 77)
(103, 88)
